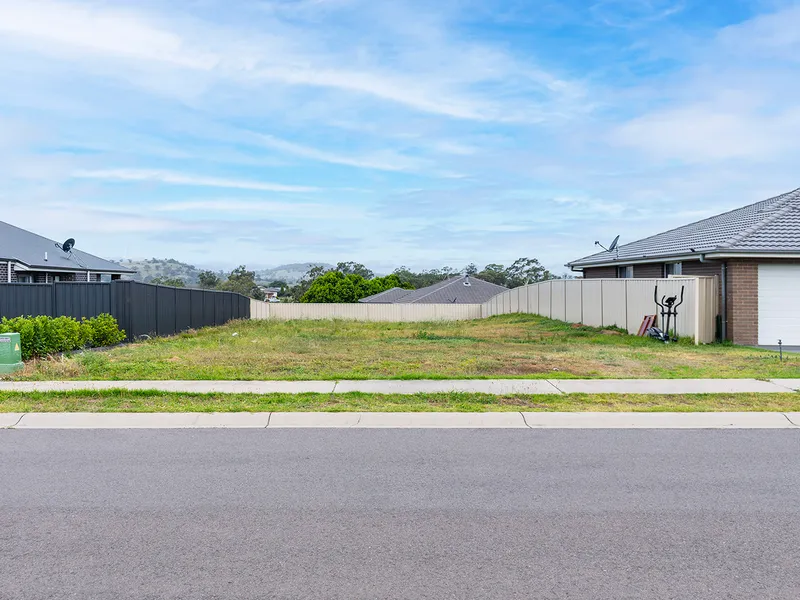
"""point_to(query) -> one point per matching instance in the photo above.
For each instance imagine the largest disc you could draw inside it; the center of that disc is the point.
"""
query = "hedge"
(43, 336)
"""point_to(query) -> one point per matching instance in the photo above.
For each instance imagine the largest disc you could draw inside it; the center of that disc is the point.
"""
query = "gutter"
(702, 257)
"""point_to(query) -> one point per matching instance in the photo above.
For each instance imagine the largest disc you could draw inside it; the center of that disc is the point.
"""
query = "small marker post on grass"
(780, 349)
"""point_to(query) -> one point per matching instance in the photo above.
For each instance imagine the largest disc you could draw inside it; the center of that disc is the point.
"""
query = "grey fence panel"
(140, 308)
(26, 299)
(196, 315)
(79, 300)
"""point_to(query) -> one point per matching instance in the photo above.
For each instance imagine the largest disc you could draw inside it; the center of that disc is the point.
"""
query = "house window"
(24, 278)
(625, 272)
(673, 269)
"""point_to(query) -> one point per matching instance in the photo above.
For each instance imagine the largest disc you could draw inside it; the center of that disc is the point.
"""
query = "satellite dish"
(611, 248)
(68, 245)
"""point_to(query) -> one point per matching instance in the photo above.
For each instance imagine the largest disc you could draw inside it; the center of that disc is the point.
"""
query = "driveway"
(344, 514)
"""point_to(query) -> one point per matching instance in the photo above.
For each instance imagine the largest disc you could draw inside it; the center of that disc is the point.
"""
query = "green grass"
(525, 346)
(141, 401)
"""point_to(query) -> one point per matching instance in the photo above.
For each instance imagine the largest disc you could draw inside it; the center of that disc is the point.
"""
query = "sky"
(390, 132)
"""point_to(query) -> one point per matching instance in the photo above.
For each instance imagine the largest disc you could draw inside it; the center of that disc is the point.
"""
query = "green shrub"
(43, 336)
(105, 331)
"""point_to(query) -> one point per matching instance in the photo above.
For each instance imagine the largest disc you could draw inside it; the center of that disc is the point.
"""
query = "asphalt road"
(377, 514)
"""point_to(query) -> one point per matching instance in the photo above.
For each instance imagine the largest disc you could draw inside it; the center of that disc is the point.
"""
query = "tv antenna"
(612, 247)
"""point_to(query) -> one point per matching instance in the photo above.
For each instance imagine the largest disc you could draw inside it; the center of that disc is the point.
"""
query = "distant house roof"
(390, 296)
(456, 290)
(770, 226)
(30, 249)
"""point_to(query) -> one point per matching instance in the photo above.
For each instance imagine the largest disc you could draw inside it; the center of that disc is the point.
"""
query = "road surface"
(384, 514)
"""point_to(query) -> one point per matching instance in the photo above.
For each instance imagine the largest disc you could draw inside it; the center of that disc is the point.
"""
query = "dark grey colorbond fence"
(140, 308)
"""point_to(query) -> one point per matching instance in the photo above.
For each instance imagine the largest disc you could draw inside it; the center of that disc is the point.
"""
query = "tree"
(525, 271)
(335, 286)
(208, 280)
(242, 281)
(424, 278)
(471, 269)
(173, 281)
(494, 273)
(298, 291)
(353, 268)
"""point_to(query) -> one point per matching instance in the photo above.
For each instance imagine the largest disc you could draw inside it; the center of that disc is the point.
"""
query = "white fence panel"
(533, 298)
(574, 301)
(592, 302)
(513, 300)
(544, 299)
(558, 300)
(613, 297)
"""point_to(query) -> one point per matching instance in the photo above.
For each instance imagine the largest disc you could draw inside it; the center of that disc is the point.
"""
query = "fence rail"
(140, 308)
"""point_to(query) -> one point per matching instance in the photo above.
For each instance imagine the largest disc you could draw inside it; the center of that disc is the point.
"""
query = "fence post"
(697, 305)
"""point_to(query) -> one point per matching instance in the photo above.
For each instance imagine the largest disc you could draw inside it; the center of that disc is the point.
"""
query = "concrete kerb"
(504, 420)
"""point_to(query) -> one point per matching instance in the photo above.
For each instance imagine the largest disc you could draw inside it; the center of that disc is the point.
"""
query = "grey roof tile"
(389, 296)
(29, 249)
(453, 291)
(771, 225)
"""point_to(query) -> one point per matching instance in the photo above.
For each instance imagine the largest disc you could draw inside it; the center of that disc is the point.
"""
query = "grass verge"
(144, 401)
(508, 346)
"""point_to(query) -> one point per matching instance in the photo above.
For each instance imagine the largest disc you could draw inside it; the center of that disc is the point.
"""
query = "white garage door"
(779, 304)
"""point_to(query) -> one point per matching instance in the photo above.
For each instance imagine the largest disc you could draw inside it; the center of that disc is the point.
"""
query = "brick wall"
(742, 294)
(648, 270)
(3, 272)
(600, 272)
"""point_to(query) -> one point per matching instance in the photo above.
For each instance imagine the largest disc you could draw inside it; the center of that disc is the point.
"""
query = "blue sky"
(390, 132)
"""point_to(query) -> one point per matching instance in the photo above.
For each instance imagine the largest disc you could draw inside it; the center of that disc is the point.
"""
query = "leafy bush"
(335, 286)
(42, 336)
(105, 331)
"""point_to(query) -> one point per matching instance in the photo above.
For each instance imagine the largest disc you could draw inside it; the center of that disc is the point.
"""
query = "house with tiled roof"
(454, 290)
(26, 257)
(753, 250)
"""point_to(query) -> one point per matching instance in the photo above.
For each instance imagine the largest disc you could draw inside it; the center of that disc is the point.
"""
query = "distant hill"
(291, 273)
(150, 268)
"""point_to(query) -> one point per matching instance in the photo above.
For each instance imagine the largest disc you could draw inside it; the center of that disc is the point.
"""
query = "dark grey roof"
(772, 225)
(29, 249)
(454, 291)
(390, 296)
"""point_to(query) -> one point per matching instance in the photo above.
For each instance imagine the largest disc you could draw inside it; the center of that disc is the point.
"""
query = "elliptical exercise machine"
(669, 316)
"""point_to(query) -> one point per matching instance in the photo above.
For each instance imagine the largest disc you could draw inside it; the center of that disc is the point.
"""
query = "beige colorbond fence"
(402, 313)
(596, 302)
(615, 302)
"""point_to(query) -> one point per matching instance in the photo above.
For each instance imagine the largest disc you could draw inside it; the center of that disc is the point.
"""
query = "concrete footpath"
(428, 386)
(421, 420)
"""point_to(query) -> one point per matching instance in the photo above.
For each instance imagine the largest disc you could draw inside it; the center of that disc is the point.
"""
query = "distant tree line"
(240, 280)
(351, 281)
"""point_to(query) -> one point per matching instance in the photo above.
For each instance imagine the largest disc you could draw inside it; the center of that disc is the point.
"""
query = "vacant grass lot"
(526, 346)
(126, 401)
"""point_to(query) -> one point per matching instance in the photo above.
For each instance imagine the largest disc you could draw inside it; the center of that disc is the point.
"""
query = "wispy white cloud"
(298, 210)
(379, 160)
(287, 55)
(172, 178)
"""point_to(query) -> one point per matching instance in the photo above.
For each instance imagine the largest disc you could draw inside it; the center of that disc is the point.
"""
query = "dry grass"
(508, 346)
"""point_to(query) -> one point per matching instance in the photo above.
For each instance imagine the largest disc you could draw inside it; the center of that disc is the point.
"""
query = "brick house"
(755, 252)
(29, 258)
